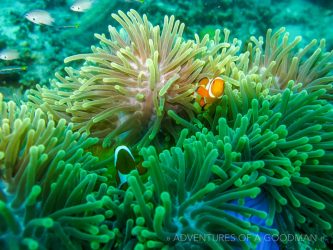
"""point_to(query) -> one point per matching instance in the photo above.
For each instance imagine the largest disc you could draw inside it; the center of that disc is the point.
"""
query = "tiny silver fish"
(82, 5)
(12, 69)
(9, 54)
(40, 17)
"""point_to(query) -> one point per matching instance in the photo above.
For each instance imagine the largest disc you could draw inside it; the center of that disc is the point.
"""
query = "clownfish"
(209, 90)
(125, 162)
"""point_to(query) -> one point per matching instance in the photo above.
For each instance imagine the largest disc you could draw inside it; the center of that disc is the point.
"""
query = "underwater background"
(129, 124)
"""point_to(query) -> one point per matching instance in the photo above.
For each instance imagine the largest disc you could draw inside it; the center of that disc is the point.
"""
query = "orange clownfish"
(209, 90)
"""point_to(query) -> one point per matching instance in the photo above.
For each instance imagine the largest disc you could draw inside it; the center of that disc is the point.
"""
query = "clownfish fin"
(202, 102)
(122, 179)
(202, 91)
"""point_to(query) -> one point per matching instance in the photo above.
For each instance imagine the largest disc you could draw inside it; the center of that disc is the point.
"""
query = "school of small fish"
(43, 17)
(40, 17)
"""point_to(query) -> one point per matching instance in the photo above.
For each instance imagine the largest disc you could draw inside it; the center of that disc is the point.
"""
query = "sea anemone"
(291, 132)
(274, 61)
(126, 86)
(50, 193)
(189, 193)
(269, 134)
